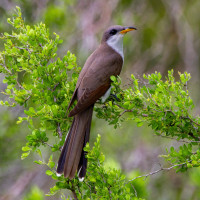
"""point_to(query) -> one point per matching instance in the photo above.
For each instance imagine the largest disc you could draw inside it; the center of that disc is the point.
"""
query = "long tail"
(72, 157)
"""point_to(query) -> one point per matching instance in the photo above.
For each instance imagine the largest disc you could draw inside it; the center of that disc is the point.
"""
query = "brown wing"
(104, 62)
(81, 75)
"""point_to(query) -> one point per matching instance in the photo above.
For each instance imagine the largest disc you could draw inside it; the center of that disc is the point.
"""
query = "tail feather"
(77, 159)
(61, 161)
(73, 145)
(72, 157)
(83, 161)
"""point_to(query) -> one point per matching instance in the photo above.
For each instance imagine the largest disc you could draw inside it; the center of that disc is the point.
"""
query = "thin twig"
(7, 69)
(125, 112)
(12, 36)
(134, 189)
(20, 86)
(4, 65)
(183, 117)
(192, 135)
(80, 192)
(157, 171)
(191, 120)
(47, 144)
(89, 187)
(119, 106)
(21, 48)
(59, 130)
(27, 99)
(55, 87)
(74, 194)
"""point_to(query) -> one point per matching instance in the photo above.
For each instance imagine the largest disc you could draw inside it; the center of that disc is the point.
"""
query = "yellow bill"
(126, 30)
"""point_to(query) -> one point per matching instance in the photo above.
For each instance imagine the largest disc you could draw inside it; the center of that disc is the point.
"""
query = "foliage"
(37, 80)
(99, 183)
(165, 106)
(43, 83)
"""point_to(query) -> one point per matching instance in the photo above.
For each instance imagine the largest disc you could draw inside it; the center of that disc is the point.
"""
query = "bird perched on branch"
(93, 82)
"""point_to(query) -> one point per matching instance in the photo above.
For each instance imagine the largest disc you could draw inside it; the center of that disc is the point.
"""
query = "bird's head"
(113, 37)
(116, 33)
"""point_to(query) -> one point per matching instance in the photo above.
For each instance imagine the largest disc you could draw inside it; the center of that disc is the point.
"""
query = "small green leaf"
(49, 173)
(60, 41)
(39, 152)
(26, 148)
(39, 162)
(113, 78)
(51, 164)
(25, 155)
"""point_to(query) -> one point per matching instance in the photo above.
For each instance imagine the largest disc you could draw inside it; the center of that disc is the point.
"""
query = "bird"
(93, 83)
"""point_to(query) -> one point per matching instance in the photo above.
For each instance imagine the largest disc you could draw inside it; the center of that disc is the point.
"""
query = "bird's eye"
(113, 31)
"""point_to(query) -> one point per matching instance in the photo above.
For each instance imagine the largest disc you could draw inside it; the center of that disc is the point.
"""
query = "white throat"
(116, 43)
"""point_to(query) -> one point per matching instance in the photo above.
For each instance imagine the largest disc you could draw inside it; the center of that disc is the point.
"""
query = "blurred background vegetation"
(167, 37)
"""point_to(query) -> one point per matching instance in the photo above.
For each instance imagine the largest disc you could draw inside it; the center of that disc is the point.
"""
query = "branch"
(27, 99)
(55, 87)
(181, 117)
(126, 110)
(4, 65)
(190, 120)
(20, 86)
(12, 36)
(89, 186)
(59, 130)
(192, 135)
(157, 171)
(47, 144)
(74, 194)
(134, 189)
(27, 49)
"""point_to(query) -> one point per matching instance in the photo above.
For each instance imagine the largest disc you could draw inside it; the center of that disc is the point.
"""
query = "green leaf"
(51, 164)
(26, 148)
(49, 173)
(39, 162)
(38, 151)
(60, 41)
(25, 155)
(113, 78)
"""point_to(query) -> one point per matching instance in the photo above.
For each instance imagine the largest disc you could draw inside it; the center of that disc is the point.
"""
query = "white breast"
(116, 43)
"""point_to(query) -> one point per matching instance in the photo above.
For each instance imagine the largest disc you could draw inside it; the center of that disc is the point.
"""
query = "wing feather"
(95, 79)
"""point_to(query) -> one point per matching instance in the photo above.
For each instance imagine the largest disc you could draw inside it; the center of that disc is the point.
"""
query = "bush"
(43, 84)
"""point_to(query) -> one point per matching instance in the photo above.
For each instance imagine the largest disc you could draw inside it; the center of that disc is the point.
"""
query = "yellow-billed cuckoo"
(93, 83)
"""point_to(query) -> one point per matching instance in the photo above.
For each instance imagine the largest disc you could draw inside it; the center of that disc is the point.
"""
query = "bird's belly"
(106, 95)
